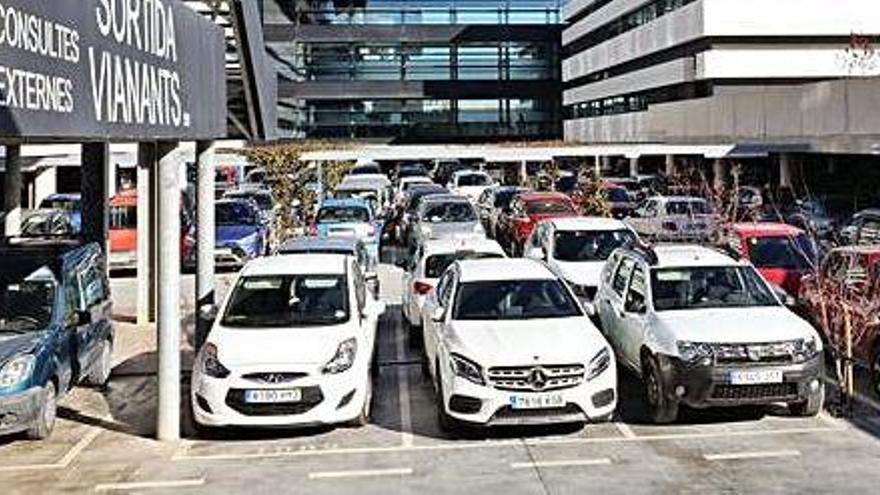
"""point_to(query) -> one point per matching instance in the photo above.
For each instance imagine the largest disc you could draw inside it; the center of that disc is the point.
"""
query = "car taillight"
(313, 229)
(422, 288)
(670, 226)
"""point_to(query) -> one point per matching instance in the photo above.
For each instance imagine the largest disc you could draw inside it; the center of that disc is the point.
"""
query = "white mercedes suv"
(704, 330)
(292, 345)
(507, 343)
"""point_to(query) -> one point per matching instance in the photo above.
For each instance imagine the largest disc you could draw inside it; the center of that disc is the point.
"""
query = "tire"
(44, 423)
(101, 370)
(363, 417)
(447, 423)
(875, 370)
(809, 407)
(661, 408)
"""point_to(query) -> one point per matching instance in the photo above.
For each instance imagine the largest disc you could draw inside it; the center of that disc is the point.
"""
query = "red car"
(782, 253)
(516, 225)
(123, 232)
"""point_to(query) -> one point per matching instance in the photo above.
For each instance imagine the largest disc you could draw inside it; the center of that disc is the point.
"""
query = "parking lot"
(102, 444)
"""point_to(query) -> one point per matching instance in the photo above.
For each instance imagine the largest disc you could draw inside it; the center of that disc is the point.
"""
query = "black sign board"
(110, 70)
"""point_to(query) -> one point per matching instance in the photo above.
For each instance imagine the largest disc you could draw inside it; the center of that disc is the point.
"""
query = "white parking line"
(569, 463)
(406, 428)
(367, 473)
(65, 460)
(148, 485)
(625, 430)
(738, 456)
(497, 444)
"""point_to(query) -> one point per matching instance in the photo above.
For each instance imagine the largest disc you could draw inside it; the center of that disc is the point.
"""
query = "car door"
(633, 316)
(367, 318)
(433, 330)
(611, 304)
(97, 306)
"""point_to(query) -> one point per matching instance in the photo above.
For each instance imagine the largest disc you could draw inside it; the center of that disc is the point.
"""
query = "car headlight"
(694, 352)
(467, 369)
(343, 360)
(211, 364)
(16, 370)
(599, 364)
(478, 229)
(805, 349)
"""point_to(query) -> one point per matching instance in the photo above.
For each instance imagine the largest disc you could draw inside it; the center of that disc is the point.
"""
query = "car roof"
(868, 250)
(297, 264)
(229, 201)
(64, 196)
(333, 202)
(691, 255)
(544, 196)
(476, 243)
(504, 269)
(348, 243)
(371, 181)
(770, 229)
(587, 223)
(445, 198)
(468, 171)
(869, 212)
(677, 198)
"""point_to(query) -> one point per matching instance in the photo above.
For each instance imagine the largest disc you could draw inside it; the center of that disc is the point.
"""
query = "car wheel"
(448, 424)
(661, 408)
(45, 420)
(811, 406)
(875, 370)
(103, 367)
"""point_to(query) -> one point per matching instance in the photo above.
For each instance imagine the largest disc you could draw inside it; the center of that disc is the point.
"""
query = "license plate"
(272, 396)
(755, 377)
(536, 401)
(341, 232)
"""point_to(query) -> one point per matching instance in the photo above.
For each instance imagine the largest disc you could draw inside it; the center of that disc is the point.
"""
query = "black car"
(411, 170)
(863, 229)
(55, 329)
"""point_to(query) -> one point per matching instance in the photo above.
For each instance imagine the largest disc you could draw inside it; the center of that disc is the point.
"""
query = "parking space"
(103, 445)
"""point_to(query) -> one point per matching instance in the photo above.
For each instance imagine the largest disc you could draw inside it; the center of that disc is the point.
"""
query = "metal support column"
(168, 317)
(634, 167)
(95, 188)
(12, 191)
(524, 173)
(205, 237)
(719, 174)
(785, 171)
(670, 166)
(145, 168)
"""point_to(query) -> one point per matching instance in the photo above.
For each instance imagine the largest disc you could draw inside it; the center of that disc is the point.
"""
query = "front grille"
(311, 397)
(508, 413)
(274, 378)
(765, 353)
(536, 378)
(755, 392)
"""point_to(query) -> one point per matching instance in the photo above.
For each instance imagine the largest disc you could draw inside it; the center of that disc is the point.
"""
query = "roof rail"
(645, 250)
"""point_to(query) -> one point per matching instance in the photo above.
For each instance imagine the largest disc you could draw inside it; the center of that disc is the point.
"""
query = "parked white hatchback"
(507, 343)
(578, 247)
(293, 345)
(431, 259)
(704, 330)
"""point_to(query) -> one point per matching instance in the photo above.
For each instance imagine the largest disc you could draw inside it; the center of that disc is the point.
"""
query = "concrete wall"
(841, 115)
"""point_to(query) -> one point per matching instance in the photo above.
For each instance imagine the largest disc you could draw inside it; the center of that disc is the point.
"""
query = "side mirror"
(784, 297)
(536, 253)
(208, 312)
(371, 277)
(590, 309)
(438, 314)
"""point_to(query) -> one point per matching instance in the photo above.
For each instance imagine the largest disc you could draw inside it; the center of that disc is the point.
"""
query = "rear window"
(343, 214)
(473, 180)
(437, 264)
(456, 212)
(790, 253)
(618, 195)
(688, 208)
(548, 206)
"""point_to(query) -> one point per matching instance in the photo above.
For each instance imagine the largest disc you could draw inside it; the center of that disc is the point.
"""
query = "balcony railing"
(453, 15)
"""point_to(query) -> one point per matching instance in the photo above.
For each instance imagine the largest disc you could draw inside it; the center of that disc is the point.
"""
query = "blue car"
(70, 203)
(241, 233)
(55, 330)
(349, 218)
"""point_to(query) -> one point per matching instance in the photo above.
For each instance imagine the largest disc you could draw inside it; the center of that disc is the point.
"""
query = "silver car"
(674, 218)
(443, 216)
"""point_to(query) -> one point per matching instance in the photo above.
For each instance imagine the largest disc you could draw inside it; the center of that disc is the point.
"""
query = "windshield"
(473, 180)
(457, 212)
(411, 172)
(366, 170)
(123, 217)
(288, 301)
(688, 208)
(235, 214)
(709, 287)
(589, 245)
(26, 299)
(437, 264)
(60, 204)
(514, 300)
(791, 253)
(548, 206)
(343, 214)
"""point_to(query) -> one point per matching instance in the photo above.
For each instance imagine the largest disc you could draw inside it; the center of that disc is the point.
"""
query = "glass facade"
(361, 83)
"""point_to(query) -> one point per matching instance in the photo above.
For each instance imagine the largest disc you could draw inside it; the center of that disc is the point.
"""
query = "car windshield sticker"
(673, 276)
(320, 283)
(263, 283)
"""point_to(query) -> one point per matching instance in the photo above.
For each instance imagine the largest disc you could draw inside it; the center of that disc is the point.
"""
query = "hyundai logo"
(754, 352)
(274, 378)
(538, 378)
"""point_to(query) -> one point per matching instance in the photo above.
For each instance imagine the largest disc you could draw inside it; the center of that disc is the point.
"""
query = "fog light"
(465, 405)
(603, 398)
(680, 391)
(814, 385)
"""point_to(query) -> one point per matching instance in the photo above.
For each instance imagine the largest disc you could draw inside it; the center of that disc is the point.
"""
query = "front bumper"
(19, 411)
(710, 386)
(230, 258)
(583, 403)
(326, 399)
(122, 260)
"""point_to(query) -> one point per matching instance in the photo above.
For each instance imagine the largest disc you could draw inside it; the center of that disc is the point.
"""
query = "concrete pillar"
(597, 166)
(785, 171)
(145, 168)
(45, 183)
(719, 174)
(168, 315)
(670, 166)
(205, 236)
(154, 234)
(604, 163)
(95, 185)
(634, 167)
(12, 183)
(523, 173)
